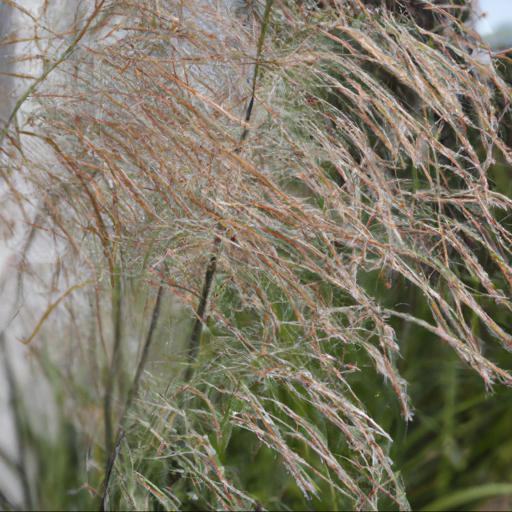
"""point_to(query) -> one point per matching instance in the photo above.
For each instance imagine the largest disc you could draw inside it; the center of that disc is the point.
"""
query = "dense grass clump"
(270, 220)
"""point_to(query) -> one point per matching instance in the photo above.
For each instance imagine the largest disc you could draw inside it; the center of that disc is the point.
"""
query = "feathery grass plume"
(366, 158)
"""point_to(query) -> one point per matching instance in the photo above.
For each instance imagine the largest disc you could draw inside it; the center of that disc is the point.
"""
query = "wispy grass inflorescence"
(265, 164)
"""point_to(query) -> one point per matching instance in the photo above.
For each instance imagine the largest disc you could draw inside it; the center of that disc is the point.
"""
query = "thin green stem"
(132, 393)
(467, 496)
(211, 269)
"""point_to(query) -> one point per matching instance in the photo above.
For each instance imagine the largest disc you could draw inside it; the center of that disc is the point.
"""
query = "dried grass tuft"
(262, 162)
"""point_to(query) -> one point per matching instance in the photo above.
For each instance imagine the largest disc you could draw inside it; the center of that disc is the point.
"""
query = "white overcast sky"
(498, 13)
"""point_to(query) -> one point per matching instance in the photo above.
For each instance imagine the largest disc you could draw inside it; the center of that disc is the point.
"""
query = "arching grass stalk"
(211, 269)
(132, 393)
(116, 361)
